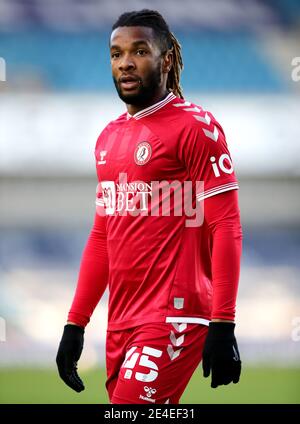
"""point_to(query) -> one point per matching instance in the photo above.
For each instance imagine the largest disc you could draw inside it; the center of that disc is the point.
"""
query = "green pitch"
(258, 385)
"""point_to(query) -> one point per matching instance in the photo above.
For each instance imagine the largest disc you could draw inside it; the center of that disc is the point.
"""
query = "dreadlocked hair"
(166, 39)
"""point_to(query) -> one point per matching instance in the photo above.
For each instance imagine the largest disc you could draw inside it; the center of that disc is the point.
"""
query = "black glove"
(68, 354)
(221, 355)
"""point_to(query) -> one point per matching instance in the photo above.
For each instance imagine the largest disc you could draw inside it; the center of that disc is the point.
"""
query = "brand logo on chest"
(142, 153)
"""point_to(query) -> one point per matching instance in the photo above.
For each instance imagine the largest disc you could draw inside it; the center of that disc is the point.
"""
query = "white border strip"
(191, 320)
(218, 187)
(217, 190)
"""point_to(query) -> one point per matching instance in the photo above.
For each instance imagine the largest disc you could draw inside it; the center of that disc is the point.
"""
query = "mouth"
(129, 82)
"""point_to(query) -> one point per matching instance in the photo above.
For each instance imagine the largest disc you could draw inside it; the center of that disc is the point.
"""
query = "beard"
(145, 91)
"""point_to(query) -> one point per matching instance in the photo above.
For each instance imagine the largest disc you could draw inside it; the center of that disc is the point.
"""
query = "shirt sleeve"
(222, 216)
(93, 274)
(203, 150)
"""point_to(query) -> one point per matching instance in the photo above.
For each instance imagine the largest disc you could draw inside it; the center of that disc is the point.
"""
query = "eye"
(141, 52)
(115, 55)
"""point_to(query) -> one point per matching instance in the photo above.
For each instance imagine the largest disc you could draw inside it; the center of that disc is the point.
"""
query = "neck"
(133, 109)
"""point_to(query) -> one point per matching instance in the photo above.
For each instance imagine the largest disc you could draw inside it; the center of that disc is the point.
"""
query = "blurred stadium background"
(58, 95)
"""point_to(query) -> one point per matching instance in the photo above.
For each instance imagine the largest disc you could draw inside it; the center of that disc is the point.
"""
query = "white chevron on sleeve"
(206, 118)
(192, 109)
(182, 104)
(212, 135)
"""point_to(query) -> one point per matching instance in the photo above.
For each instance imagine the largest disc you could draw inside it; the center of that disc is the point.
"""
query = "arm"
(92, 281)
(203, 150)
(93, 275)
(222, 216)
(220, 354)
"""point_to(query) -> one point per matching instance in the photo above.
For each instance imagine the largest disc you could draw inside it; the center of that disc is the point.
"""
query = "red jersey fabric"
(158, 268)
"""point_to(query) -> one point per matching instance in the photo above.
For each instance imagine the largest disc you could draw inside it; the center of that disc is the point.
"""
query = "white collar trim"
(153, 108)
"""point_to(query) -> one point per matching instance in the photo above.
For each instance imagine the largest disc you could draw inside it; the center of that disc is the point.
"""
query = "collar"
(153, 108)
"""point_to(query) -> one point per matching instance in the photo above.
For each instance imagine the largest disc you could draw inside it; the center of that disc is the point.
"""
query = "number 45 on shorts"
(133, 358)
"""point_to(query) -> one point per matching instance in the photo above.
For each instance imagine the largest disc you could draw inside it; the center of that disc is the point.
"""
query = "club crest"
(142, 153)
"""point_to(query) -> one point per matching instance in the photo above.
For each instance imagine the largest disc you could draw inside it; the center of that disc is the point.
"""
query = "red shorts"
(152, 363)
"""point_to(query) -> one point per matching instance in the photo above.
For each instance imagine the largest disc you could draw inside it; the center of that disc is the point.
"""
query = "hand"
(221, 355)
(68, 354)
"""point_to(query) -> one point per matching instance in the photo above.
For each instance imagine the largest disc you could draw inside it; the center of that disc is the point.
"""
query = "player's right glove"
(68, 354)
(221, 355)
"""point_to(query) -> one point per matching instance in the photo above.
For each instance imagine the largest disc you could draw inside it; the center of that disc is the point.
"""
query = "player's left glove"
(68, 354)
(221, 355)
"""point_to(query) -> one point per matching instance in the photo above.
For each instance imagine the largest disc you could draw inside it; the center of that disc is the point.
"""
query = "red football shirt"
(160, 268)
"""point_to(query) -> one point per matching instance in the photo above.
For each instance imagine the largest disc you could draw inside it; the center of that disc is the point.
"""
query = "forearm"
(93, 276)
(222, 214)
(225, 271)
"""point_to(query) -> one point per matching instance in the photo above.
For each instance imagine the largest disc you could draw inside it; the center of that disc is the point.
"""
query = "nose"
(126, 63)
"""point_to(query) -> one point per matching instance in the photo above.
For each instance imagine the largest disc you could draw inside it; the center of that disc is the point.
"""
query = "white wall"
(56, 133)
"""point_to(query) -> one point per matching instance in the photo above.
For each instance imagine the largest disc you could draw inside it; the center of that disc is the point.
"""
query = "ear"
(167, 61)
